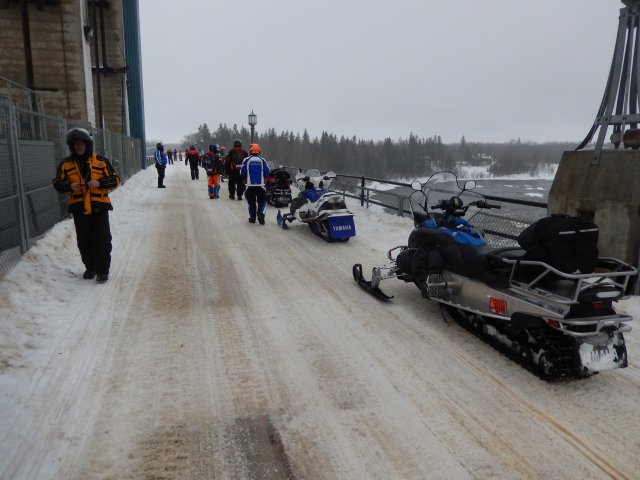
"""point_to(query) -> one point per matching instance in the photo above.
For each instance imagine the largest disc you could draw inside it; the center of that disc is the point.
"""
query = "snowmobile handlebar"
(454, 207)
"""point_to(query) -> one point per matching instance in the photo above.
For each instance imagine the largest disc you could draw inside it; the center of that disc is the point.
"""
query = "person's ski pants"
(257, 200)
(195, 174)
(160, 169)
(213, 183)
(93, 235)
(236, 185)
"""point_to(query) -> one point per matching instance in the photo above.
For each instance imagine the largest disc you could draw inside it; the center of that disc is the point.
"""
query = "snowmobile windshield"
(439, 185)
(442, 187)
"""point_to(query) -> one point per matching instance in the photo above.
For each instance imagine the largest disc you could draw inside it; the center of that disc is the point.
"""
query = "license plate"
(598, 358)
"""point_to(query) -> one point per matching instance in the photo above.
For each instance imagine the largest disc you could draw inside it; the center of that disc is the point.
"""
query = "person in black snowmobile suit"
(233, 163)
(193, 160)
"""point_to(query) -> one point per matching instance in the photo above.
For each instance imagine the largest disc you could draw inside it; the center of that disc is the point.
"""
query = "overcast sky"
(492, 70)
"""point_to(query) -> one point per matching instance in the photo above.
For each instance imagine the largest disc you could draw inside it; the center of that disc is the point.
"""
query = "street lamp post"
(253, 121)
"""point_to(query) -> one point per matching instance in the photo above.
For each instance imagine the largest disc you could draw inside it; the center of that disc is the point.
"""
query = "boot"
(89, 274)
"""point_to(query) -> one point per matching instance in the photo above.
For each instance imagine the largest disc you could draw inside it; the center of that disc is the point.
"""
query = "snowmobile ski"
(367, 285)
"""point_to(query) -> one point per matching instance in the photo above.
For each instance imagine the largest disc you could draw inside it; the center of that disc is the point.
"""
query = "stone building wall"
(63, 57)
(112, 80)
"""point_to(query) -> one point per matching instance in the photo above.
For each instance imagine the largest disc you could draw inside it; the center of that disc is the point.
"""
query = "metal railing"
(500, 230)
(31, 146)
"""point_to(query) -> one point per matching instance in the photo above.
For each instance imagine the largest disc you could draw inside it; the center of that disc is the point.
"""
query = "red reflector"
(497, 306)
(553, 323)
(597, 306)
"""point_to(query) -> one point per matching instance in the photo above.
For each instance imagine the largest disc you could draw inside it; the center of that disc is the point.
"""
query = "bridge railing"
(501, 230)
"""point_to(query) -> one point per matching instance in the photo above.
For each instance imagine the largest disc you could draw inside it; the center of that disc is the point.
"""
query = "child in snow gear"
(193, 160)
(253, 171)
(161, 163)
(88, 178)
(232, 164)
(212, 164)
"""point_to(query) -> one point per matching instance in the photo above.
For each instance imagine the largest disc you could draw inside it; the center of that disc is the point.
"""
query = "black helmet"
(192, 147)
(81, 134)
(159, 146)
(237, 142)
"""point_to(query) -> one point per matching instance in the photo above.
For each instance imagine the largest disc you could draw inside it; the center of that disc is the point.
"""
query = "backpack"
(569, 244)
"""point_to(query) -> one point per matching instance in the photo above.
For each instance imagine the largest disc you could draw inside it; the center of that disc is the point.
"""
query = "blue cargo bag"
(341, 227)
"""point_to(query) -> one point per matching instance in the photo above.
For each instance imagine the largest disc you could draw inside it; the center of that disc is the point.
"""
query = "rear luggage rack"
(564, 288)
(588, 327)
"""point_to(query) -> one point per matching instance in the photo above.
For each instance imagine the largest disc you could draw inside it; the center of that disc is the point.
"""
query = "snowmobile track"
(565, 376)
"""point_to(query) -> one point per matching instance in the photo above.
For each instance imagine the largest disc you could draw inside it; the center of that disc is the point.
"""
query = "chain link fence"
(500, 230)
(31, 146)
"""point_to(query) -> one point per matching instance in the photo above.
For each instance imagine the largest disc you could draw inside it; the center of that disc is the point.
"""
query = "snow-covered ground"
(220, 349)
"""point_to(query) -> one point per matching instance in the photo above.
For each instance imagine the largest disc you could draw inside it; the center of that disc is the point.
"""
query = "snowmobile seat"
(313, 194)
(465, 260)
(510, 253)
(483, 263)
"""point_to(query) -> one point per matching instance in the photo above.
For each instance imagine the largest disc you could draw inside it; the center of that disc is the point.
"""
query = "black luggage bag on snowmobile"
(569, 244)
(422, 256)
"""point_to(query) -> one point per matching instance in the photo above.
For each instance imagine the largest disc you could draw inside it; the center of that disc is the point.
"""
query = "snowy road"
(220, 349)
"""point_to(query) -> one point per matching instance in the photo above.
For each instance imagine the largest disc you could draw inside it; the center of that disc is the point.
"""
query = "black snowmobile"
(278, 187)
(547, 304)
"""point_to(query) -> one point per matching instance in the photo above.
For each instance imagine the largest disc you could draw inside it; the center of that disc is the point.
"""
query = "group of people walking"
(245, 171)
(87, 178)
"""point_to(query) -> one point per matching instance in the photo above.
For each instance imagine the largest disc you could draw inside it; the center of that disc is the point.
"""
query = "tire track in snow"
(577, 442)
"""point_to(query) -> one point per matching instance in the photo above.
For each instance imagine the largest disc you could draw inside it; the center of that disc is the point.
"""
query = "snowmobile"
(547, 304)
(278, 187)
(324, 211)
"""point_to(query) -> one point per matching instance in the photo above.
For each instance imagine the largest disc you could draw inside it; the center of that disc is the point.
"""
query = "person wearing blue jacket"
(161, 163)
(253, 172)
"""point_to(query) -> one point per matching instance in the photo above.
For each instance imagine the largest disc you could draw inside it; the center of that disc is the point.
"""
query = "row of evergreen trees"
(387, 158)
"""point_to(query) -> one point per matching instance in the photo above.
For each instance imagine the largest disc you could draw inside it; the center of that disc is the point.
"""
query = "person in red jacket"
(193, 160)
(232, 164)
(212, 164)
